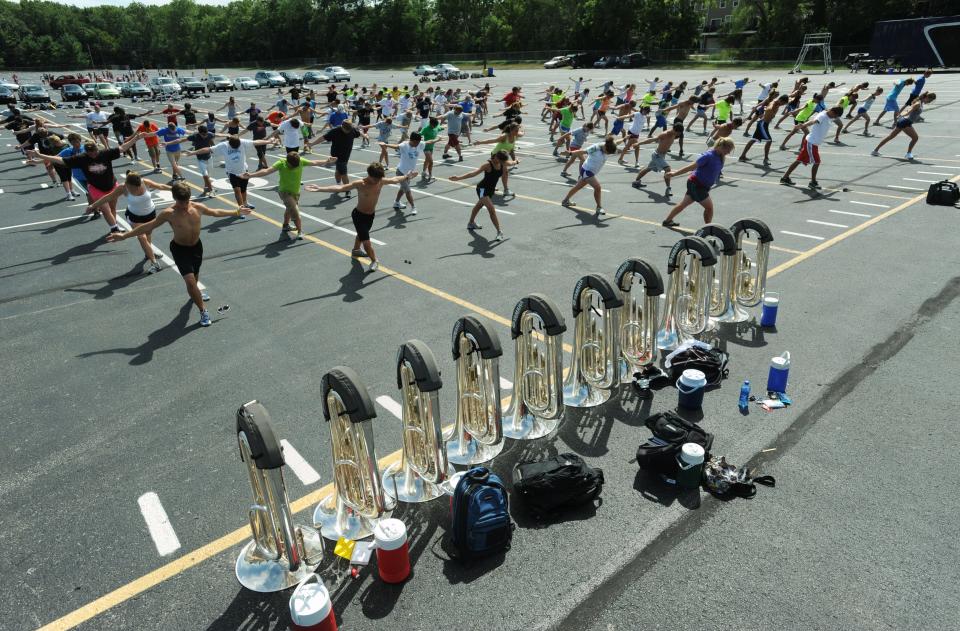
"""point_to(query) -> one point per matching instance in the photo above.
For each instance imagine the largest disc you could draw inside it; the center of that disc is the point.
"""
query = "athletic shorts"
(661, 122)
(99, 131)
(861, 110)
(362, 222)
(809, 154)
(658, 162)
(428, 148)
(903, 123)
(64, 173)
(341, 165)
(204, 167)
(95, 193)
(791, 107)
(238, 182)
(700, 114)
(761, 131)
(697, 191)
(564, 130)
(617, 127)
(261, 151)
(453, 140)
(482, 192)
(890, 105)
(405, 184)
(586, 175)
(188, 258)
(738, 95)
(140, 218)
(174, 155)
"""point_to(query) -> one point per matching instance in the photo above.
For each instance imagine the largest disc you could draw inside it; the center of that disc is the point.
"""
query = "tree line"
(37, 33)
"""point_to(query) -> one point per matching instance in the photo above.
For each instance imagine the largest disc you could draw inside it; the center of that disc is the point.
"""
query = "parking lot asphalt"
(116, 392)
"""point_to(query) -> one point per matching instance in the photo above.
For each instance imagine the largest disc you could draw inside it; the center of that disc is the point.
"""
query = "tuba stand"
(477, 435)
(352, 510)
(594, 371)
(281, 553)
(639, 319)
(423, 466)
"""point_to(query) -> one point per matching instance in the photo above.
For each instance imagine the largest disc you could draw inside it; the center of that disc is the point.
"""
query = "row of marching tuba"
(618, 331)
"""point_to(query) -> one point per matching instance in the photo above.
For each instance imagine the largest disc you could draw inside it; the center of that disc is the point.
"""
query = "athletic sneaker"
(116, 230)
(154, 268)
(599, 211)
(357, 252)
(413, 209)
(667, 192)
(874, 153)
(564, 174)
(567, 203)
(556, 151)
(399, 206)
(786, 180)
(205, 318)
(669, 224)
(287, 228)
(446, 156)
(909, 156)
(638, 184)
(205, 296)
(499, 237)
(473, 226)
(506, 191)
(299, 235)
(460, 159)
(814, 184)
(374, 266)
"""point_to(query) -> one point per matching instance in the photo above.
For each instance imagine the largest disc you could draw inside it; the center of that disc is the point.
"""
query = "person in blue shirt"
(706, 172)
(891, 103)
(75, 149)
(337, 117)
(738, 91)
(171, 135)
(917, 89)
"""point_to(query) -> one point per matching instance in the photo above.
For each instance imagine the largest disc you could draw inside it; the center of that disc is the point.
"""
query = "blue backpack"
(480, 514)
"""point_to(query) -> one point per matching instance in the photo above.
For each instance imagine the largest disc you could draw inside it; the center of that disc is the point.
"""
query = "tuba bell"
(357, 501)
(721, 295)
(640, 317)
(423, 466)
(749, 275)
(477, 435)
(281, 553)
(687, 310)
(594, 371)
(536, 406)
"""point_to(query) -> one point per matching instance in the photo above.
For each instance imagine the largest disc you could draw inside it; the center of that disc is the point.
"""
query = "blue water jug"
(771, 302)
(779, 371)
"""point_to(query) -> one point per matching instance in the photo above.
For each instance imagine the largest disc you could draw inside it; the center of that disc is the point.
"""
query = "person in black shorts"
(186, 247)
(368, 194)
(492, 171)
(341, 146)
(258, 128)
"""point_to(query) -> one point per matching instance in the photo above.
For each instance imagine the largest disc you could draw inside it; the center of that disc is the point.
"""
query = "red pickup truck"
(66, 79)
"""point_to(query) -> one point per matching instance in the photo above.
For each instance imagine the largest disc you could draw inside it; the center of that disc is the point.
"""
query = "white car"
(424, 70)
(447, 69)
(10, 85)
(164, 85)
(246, 83)
(337, 73)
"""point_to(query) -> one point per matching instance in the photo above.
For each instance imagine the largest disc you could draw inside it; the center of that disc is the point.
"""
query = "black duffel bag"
(556, 484)
(944, 193)
(659, 454)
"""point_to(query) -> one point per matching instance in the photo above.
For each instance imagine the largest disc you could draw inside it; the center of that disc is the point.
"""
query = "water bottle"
(745, 395)
(779, 371)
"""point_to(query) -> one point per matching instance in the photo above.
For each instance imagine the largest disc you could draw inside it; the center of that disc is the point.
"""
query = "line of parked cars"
(591, 60)
(440, 71)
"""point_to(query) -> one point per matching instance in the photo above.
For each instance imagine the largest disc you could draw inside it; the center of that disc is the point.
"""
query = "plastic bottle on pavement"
(745, 395)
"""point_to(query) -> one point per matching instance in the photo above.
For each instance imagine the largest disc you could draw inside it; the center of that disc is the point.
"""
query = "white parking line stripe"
(827, 223)
(913, 179)
(846, 212)
(300, 467)
(37, 223)
(869, 204)
(506, 384)
(935, 173)
(391, 406)
(158, 524)
(800, 234)
(905, 188)
(309, 216)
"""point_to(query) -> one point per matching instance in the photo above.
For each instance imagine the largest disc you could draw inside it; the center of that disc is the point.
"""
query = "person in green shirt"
(724, 106)
(429, 133)
(802, 117)
(290, 172)
(566, 118)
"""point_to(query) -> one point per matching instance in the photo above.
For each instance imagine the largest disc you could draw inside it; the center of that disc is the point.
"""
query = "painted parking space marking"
(847, 212)
(390, 405)
(800, 234)
(869, 204)
(37, 223)
(935, 173)
(827, 223)
(904, 188)
(161, 531)
(913, 179)
(300, 467)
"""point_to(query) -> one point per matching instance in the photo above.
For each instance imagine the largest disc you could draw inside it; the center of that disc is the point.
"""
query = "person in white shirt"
(596, 156)
(97, 125)
(387, 107)
(233, 152)
(816, 129)
(765, 90)
(410, 151)
(292, 134)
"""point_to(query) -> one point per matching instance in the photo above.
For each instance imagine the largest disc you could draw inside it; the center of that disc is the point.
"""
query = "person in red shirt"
(275, 118)
(171, 111)
(512, 96)
(152, 142)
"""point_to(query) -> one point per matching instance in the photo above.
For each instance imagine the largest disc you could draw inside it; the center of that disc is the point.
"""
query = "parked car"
(67, 79)
(10, 85)
(633, 60)
(424, 70)
(582, 60)
(88, 88)
(315, 76)
(246, 83)
(219, 83)
(557, 62)
(164, 86)
(134, 89)
(292, 77)
(270, 79)
(192, 85)
(72, 92)
(105, 91)
(337, 73)
(607, 61)
(447, 69)
(7, 96)
(32, 93)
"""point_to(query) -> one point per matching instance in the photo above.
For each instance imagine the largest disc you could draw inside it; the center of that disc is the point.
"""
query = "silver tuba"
(750, 275)
(594, 371)
(423, 466)
(721, 295)
(640, 316)
(687, 310)
(281, 554)
(536, 406)
(357, 501)
(478, 434)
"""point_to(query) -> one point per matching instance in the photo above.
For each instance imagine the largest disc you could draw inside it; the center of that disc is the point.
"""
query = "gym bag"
(659, 454)
(699, 356)
(943, 194)
(556, 484)
(480, 515)
(726, 480)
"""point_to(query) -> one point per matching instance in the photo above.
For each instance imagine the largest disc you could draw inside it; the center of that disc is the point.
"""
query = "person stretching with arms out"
(492, 170)
(288, 187)
(706, 172)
